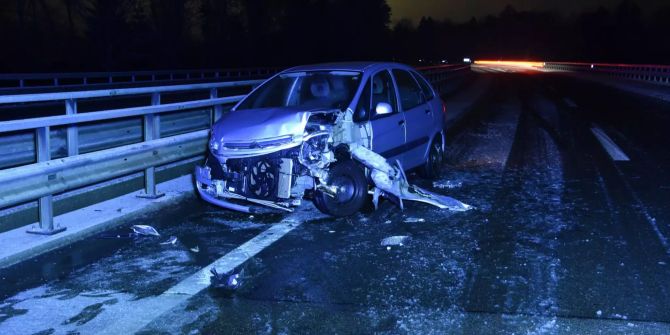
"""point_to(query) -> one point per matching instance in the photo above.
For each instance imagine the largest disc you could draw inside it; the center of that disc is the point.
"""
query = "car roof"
(347, 66)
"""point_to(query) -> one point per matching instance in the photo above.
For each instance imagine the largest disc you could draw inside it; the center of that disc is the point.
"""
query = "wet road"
(564, 240)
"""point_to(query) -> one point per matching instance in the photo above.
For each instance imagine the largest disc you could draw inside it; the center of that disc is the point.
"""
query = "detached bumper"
(208, 192)
(213, 191)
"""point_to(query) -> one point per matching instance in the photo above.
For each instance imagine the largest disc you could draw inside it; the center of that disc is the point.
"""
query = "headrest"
(377, 85)
(320, 88)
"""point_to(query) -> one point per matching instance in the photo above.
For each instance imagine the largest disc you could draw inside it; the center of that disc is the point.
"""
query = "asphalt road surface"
(564, 239)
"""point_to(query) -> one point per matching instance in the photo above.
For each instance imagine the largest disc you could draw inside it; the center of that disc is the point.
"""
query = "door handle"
(401, 122)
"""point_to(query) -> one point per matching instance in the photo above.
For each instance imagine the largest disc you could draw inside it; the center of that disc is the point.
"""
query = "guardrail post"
(45, 203)
(218, 109)
(72, 130)
(151, 132)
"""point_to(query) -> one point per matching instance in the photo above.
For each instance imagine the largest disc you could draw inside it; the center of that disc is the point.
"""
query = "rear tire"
(432, 168)
(352, 190)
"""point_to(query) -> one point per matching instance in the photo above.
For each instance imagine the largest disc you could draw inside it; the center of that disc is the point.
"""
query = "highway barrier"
(93, 80)
(654, 74)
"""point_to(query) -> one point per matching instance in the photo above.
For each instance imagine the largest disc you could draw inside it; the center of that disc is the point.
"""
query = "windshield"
(310, 90)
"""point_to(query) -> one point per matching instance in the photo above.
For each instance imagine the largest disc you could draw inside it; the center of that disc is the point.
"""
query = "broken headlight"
(314, 147)
(214, 145)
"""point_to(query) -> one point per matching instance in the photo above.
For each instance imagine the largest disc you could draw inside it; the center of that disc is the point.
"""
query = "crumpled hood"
(258, 124)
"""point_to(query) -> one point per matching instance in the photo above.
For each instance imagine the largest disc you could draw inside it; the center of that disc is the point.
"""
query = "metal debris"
(395, 241)
(447, 184)
(172, 240)
(390, 180)
(228, 281)
(145, 230)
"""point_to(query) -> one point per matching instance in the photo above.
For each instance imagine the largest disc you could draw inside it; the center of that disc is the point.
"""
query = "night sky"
(458, 10)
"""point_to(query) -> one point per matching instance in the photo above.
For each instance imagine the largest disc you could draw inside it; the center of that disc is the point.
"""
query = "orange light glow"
(510, 63)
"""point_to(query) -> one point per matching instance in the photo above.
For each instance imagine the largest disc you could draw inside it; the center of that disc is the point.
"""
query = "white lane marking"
(194, 284)
(612, 149)
(570, 103)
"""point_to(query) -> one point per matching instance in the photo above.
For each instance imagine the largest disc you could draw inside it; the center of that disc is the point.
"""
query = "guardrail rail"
(655, 74)
(88, 80)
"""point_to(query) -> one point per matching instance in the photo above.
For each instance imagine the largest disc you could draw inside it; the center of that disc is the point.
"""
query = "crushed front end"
(263, 175)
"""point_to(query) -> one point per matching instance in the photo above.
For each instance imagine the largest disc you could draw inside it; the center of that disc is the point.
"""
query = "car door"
(388, 130)
(418, 115)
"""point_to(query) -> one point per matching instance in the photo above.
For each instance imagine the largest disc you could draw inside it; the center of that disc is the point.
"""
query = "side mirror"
(383, 108)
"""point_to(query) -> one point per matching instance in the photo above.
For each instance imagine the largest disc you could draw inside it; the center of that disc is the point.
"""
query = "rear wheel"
(432, 168)
(352, 188)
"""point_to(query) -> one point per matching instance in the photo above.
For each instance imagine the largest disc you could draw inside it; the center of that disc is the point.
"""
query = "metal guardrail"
(86, 164)
(655, 74)
(14, 81)
(437, 75)
(48, 177)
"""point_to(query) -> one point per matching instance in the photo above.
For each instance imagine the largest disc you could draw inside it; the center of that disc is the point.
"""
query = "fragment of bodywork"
(395, 240)
(391, 180)
(227, 281)
(145, 230)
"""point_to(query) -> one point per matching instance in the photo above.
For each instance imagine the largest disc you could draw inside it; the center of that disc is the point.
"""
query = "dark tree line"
(67, 35)
(75, 35)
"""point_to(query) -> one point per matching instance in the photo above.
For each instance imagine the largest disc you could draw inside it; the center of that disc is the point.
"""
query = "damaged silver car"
(336, 134)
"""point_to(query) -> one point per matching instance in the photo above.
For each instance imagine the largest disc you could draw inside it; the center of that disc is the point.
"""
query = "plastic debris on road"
(195, 249)
(447, 184)
(414, 220)
(145, 230)
(395, 241)
(228, 281)
(172, 240)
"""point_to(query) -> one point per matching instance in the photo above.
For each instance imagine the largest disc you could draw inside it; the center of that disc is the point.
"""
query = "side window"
(383, 91)
(410, 92)
(425, 87)
(362, 112)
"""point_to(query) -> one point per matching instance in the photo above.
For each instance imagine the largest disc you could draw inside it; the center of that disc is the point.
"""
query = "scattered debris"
(251, 217)
(331, 231)
(570, 102)
(662, 263)
(145, 230)
(228, 281)
(195, 249)
(395, 240)
(599, 313)
(447, 184)
(387, 221)
(414, 220)
(172, 240)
